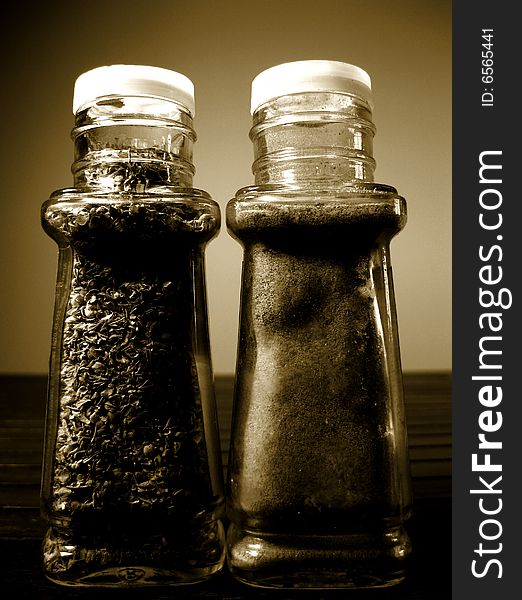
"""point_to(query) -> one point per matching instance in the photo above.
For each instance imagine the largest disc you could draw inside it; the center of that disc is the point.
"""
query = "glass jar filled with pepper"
(318, 485)
(132, 482)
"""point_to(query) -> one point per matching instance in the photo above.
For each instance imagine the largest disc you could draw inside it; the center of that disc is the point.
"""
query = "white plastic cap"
(309, 76)
(133, 80)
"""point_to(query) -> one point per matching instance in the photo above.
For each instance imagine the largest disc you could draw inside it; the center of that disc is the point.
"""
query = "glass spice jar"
(318, 485)
(132, 483)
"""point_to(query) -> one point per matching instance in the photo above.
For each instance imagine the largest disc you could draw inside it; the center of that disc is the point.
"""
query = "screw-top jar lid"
(310, 76)
(133, 80)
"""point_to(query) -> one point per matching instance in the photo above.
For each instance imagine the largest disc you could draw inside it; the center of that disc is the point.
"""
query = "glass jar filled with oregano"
(132, 484)
(318, 481)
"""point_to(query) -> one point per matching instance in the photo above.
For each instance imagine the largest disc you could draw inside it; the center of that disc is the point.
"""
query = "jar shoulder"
(165, 210)
(372, 205)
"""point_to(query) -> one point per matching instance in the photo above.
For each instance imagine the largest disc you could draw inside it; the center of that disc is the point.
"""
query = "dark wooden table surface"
(22, 413)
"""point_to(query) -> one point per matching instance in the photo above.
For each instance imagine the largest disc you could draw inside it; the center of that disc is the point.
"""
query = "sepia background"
(404, 45)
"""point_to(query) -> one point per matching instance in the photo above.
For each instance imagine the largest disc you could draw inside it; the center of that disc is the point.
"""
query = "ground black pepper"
(314, 445)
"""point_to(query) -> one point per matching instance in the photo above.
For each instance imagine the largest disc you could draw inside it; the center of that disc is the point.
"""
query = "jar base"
(357, 561)
(137, 576)
(133, 565)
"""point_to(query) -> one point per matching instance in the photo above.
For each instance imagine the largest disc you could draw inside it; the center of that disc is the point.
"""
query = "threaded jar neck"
(133, 143)
(314, 137)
